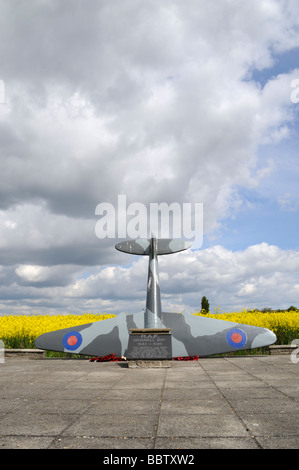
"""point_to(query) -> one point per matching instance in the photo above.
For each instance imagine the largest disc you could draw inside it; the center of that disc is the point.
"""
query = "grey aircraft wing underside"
(191, 336)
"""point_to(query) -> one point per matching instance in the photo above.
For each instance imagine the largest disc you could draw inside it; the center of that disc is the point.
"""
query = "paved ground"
(235, 402)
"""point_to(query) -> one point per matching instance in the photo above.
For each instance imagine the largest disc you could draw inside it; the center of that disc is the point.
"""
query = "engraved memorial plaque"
(149, 346)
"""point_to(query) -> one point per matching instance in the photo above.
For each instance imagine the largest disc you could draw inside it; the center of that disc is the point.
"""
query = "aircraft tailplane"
(142, 246)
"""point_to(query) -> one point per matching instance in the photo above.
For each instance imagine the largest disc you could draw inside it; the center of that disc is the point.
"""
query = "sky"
(189, 102)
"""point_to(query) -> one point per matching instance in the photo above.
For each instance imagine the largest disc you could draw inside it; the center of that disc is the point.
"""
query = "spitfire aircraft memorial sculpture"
(155, 334)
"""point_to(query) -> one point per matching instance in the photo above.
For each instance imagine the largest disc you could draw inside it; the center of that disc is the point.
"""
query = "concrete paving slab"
(207, 443)
(272, 424)
(289, 390)
(238, 384)
(25, 442)
(125, 396)
(256, 392)
(131, 407)
(206, 406)
(200, 425)
(263, 405)
(91, 442)
(189, 394)
(213, 403)
(111, 426)
(34, 424)
(270, 442)
(60, 406)
(82, 393)
(188, 384)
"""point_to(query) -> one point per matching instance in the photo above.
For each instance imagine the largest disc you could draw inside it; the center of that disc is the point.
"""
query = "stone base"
(150, 331)
(278, 349)
(148, 364)
(31, 353)
(149, 344)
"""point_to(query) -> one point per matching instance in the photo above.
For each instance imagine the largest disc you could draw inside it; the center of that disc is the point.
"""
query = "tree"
(205, 304)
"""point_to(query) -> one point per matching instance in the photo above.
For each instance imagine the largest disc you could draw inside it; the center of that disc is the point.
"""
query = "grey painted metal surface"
(191, 335)
(153, 310)
(152, 248)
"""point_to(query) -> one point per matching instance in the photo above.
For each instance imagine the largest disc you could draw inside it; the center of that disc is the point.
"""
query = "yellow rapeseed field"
(20, 331)
(284, 324)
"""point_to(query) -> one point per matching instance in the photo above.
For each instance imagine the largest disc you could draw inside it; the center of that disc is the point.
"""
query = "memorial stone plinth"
(149, 344)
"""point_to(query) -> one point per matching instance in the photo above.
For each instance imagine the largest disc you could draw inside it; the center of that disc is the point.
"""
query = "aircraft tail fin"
(142, 246)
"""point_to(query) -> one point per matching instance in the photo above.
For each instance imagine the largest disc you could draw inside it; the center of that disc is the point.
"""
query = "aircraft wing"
(191, 336)
(199, 336)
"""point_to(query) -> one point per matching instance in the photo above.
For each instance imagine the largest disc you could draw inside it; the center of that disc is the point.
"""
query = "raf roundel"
(236, 338)
(72, 340)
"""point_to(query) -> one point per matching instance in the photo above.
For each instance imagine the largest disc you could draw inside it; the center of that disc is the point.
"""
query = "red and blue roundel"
(236, 338)
(72, 340)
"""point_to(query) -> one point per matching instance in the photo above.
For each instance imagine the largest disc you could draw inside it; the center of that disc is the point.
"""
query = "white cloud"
(32, 273)
(46, 276)
(287, 203)
(164, 111)
(261, 276)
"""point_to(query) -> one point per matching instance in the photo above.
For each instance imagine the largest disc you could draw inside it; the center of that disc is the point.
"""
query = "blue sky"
(283, 63)
(270, 212)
